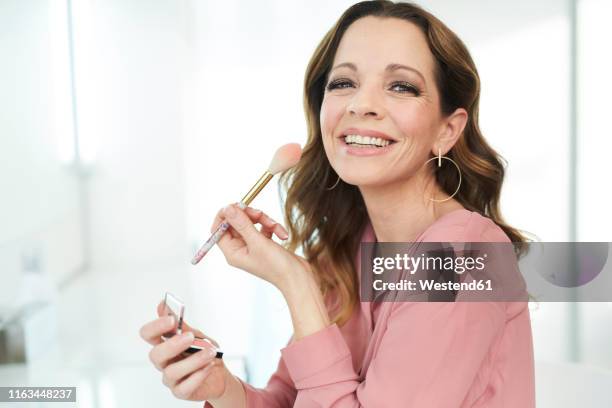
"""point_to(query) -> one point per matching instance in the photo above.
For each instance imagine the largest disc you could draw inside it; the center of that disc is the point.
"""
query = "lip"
(366, 132)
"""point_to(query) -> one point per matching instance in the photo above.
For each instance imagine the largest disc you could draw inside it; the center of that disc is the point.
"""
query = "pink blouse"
(413, 354)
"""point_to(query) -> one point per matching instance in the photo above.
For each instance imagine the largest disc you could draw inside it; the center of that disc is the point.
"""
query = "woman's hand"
(198, 377)
(254, 251)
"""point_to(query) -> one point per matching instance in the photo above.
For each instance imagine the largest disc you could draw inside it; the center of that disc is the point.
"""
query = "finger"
(185, 328)
(173, 373)
(161, 354)
(276, 229)
(201, 335)
(188, 386)
(253, 213)
(219, 218)
(235, 234)
(267, 223)
(238, 219)
(256, 216)
(152, 331)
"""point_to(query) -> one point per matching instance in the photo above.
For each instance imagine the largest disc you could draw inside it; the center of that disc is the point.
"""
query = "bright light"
(84, 394)
(61, 109)
(64, 96)
(106, 393)
(85, 72)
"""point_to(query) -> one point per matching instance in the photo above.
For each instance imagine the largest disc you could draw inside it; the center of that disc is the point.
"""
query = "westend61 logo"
(485, 271)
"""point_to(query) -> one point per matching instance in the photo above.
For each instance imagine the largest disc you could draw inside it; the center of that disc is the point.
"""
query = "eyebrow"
(390, 68)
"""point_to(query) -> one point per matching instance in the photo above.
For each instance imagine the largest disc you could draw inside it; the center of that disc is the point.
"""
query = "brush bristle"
(285, 157)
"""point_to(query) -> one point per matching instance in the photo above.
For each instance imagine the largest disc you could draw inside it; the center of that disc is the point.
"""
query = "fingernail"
(284, 235)
(170, 321)
(187, 337)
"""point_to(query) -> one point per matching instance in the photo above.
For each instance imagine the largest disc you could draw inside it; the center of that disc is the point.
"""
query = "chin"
(360, 180)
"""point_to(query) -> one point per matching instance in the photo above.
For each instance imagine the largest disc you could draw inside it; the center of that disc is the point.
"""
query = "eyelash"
(335, 84)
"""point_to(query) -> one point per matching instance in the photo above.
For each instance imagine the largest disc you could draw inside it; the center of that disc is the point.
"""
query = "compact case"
(173, 306)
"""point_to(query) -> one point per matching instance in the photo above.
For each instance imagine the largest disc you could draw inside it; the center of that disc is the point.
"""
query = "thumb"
(240, 221)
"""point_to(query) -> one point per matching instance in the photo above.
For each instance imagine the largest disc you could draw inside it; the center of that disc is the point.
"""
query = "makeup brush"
(285, 157)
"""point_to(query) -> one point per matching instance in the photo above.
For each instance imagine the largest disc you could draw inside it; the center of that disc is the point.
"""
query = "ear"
(452, 129)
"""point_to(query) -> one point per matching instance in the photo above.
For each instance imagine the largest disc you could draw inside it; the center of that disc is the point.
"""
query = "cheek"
(416, 124)
(412, 121)
(331, 113)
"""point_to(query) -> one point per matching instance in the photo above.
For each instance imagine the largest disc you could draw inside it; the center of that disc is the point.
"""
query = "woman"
(395, 76)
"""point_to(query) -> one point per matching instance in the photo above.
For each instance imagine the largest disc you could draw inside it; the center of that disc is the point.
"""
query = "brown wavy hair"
(327, 224)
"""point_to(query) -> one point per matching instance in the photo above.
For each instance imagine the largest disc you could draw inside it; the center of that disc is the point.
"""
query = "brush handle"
(261, 183)
(214, 238)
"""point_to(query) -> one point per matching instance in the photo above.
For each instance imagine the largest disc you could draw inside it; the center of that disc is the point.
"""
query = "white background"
(179, 105)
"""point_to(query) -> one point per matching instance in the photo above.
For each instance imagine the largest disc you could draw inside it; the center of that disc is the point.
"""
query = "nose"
(365, 102)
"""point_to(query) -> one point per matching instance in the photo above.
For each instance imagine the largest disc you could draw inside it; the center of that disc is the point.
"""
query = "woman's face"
(380, 87)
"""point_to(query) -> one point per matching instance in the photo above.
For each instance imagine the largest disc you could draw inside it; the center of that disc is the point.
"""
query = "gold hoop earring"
(439, 158)
(332, 187)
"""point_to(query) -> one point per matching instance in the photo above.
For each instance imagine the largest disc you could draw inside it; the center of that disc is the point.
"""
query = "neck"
(401, 211)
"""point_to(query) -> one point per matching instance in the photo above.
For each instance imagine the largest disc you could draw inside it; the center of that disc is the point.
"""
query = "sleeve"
(278, 393)
(429, 356)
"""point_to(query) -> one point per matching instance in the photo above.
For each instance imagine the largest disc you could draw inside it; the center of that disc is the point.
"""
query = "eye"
(339, 84)
(405, 87)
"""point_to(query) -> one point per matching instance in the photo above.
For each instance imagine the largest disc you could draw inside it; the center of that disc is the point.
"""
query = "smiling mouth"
(366, 141)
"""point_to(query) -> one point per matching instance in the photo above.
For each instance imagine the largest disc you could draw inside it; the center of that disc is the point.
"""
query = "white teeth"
(366, 140)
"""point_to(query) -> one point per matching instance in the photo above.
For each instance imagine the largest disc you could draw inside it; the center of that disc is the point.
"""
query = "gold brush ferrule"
(261, 183)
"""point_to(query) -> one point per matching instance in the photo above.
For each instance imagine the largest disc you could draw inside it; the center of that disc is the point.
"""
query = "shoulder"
(484, 229)
(465, 226)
